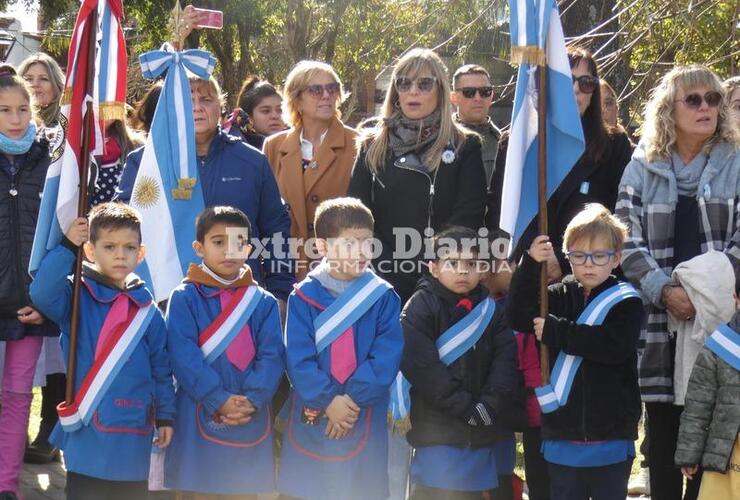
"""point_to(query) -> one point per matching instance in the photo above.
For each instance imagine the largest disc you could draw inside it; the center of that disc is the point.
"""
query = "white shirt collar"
(307, 146)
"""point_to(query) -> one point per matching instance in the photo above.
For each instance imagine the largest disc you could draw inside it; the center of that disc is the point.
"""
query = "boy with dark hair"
(592, 404)
(225, 343)
(343, 346)
(460, 359)
(123, 381)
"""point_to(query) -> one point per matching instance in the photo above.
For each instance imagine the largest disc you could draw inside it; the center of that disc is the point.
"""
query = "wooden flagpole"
(82, 203)
(542, 195)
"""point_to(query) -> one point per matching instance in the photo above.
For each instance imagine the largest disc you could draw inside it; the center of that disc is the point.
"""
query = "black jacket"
(401, 196)
(21, 185)
(604, 402)
(587, 182)
(444, 398)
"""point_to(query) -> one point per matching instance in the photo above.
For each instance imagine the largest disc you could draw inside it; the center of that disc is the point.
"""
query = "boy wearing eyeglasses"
(473, 95)
(591, 404)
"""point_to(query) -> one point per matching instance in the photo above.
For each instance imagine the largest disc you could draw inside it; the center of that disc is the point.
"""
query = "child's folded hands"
(342, 413)
(237, 410)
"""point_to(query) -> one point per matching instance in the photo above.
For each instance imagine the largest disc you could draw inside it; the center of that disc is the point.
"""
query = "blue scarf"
(18, 146)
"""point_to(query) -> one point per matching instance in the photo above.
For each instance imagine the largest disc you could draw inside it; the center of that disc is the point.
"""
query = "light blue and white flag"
(167, 190)
(537, 39)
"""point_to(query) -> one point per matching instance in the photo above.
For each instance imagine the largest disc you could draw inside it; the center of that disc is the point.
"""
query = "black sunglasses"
(586, 83)
(469, 92)
(694, 100)
(424, 84)
(317, 90)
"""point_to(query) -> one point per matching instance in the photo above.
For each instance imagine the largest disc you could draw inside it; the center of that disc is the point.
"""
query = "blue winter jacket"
(117, 443)
(236, 174)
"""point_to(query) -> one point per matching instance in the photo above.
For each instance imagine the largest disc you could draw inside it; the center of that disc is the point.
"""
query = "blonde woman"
(417, 167)
(235, 174)
(312, 160)
(46, 81)
(679, 194)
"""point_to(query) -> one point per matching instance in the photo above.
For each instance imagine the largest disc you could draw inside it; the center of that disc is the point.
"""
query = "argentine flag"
(537, 39)
(167, 189)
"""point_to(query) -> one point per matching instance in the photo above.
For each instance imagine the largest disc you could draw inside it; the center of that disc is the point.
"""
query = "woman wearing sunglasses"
(417, 167)
(679, 194)
(312, 160)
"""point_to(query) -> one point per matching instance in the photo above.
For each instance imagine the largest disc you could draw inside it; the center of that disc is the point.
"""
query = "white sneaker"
(640, 484)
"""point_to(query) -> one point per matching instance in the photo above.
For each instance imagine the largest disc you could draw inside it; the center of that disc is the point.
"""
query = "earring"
(397, 104)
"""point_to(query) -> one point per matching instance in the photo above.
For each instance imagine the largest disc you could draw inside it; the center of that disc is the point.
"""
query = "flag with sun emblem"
(167, 188)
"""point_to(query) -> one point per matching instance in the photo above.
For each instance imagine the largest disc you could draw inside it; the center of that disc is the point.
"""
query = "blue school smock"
(313, 466)
(117, 443)
(205, 456)
(453, 468)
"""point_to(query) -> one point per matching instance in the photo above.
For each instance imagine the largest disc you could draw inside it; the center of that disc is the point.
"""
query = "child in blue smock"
(343, 347)
(123, 382)
(225, 341)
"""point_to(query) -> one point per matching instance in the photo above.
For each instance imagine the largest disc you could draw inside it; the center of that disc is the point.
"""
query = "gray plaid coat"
(646, 202)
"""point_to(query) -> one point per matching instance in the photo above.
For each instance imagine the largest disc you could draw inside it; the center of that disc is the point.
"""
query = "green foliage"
(661, 33)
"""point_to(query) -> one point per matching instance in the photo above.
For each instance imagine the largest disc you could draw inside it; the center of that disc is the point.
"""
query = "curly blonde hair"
(659, 128)
(450, 132)
(296, 82)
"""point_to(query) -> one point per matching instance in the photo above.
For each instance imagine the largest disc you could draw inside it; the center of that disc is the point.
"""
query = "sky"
(27, 19)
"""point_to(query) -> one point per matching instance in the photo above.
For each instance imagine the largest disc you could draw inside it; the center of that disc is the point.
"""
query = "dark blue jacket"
(236, 174)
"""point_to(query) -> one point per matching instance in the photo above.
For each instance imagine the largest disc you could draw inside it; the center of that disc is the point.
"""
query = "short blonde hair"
(595, 221)
(659, 128)
(212, 87)
(296, 82)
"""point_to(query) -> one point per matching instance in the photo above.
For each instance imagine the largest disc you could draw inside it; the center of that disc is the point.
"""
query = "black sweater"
(443, 398)
(604, 401)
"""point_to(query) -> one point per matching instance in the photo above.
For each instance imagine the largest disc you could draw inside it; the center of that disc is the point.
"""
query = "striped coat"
(646, 201)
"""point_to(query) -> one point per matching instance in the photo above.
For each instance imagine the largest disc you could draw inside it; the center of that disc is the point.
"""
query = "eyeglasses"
(586, 83)
(424, 84)
(694, 100)
(598, 258)
(469, 92)
(317, 90)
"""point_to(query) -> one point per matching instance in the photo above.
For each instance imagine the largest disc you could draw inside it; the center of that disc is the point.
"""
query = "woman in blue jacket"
(235, 174)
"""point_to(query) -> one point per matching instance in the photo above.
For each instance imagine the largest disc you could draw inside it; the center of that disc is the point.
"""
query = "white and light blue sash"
(349, 307)
(103, 371)
(725, 343)
(555, 394)
(214, 340)
(452, 344)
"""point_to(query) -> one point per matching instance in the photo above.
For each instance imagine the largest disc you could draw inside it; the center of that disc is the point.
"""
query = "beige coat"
(303, 191)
